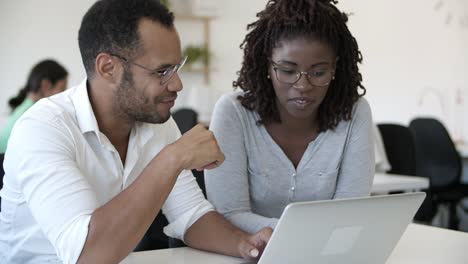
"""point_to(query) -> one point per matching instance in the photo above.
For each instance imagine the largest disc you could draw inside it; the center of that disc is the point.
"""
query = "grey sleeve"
(227, 186)
(358, 166)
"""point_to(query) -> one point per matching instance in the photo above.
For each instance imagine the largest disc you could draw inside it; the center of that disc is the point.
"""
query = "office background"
(415, 53)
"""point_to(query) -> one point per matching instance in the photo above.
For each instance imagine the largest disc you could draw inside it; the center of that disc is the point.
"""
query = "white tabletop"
(178, 256)
(463, 150)
(418, 245)
(385, 183)
(430, 245)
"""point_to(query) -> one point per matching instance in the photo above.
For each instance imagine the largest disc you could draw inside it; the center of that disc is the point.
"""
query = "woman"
(45, 79)
(299, 130)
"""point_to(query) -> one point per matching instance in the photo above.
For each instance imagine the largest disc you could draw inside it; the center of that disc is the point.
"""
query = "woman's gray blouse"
(257, 180)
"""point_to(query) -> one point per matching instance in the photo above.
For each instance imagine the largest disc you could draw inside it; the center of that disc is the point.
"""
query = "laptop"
(357, 230)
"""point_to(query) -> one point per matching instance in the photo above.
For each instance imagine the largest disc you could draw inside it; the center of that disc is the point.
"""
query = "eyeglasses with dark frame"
(164, 74)
(289, 76)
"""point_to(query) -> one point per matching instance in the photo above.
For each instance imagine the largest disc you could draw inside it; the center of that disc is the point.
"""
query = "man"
(88, 170)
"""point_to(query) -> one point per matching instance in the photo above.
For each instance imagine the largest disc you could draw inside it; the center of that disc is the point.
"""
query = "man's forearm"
(214, 233)
(116, 227)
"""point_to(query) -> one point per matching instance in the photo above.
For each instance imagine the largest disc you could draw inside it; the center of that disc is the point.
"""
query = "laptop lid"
(357, 230)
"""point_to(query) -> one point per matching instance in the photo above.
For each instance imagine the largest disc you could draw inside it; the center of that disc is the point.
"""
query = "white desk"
(184, 255)
(385, 183)
(430, 245)
(418, 245)
(463, 150)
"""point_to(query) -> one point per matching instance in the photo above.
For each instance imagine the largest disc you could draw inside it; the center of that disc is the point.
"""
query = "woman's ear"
(44, 88)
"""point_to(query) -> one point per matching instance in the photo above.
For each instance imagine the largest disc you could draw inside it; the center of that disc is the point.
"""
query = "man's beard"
(133, 105)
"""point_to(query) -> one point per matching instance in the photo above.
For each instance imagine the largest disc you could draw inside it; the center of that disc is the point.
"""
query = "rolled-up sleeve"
(58, 195)
(185, 203)
(184, 206)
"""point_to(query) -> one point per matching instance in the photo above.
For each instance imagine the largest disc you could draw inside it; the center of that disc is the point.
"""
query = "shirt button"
(294, 175)
(293, 188)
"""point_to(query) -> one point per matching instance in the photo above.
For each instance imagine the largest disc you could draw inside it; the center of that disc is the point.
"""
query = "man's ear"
(107, 67)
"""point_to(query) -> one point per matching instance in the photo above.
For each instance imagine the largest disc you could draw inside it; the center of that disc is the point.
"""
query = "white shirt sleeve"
(184, 206)
(185, 203)
(58, 195)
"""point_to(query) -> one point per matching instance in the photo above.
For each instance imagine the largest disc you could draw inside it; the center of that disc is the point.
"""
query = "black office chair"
(2, 173)
(438, 160)
(185, 118)
(155, 238)
(400, 149)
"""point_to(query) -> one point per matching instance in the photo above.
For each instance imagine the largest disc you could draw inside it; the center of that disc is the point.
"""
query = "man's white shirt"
(59, 168)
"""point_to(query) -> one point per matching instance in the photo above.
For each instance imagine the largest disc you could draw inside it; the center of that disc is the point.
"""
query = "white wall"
(414, 62)
(35, 30)
(227, 31)
(409, 52)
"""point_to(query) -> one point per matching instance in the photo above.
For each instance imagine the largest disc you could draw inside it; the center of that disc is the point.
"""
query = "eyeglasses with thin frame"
(164, 74)
(321, 77)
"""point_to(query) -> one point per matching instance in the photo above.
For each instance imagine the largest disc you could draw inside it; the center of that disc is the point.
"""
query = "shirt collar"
(83, 110)
(145, 132)
(87, 120)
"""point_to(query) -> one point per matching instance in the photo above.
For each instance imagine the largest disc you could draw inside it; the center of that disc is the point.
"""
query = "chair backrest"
(401, 153)
(185, 118)
(399, 147)
(2, 171)
(154, 237)
(436, 155)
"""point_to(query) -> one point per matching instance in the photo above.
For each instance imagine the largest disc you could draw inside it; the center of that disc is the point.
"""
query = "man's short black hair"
(112, 26)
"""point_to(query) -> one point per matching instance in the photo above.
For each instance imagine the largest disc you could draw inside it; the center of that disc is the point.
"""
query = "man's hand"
(252, 246)
(198, 149)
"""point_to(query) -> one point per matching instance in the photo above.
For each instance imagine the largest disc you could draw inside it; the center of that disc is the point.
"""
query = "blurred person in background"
(46, 78)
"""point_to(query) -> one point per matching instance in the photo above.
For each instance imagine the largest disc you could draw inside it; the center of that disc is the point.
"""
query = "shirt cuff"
(178, 228)
(71, 242)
